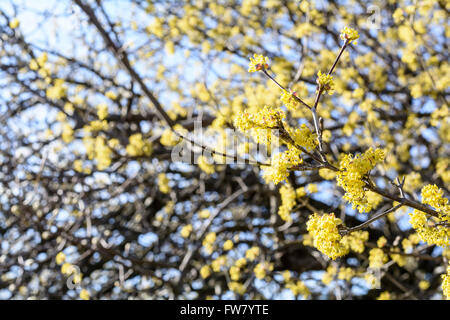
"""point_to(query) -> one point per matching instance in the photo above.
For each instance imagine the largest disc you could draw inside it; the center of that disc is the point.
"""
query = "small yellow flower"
(384, 296)
(228, 245)
(102, 111)
(14, 23)
(60, 258)
(186, 231)
(205, 165)
(67, 269)
(424, 285)
(349, 34)
(84, 294)
(258, 62)
(204, 214)
(205, 272)
(252, 253)
(325, 81)
(289, 100)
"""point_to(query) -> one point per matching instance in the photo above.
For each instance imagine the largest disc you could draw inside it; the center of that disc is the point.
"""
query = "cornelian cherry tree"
(252, 149)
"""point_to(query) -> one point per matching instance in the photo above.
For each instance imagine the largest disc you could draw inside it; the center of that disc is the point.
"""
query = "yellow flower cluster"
(236, 287)
(280, 164)
(235, 272)
(208, 242)
(355, 241)
(446, 283)
(169, 138)
(70, 270)
(67, 132)
(218, 263)
(138, 147)
(288, 196)
(261, 270)
(267, 118)
(102, 111)
(298, 288)
(424, 285)
(57, 91)
(384, 296)
(304, 137)
(205, 272)
(102, 153)
(186, 230)
(346, 274)
(289, 100)
(351, 173)
(433, 230)
(163, 183)
(252, 253)
(84, 294)
(398, 258)
(228, 245)
(205, 165)
(258, 62)
(96, 125)
(325, 81)
(325, 233)
(60, 258)
(377, 258)
(14, 23)
(433, 196)
(204, 214)
(349, 34)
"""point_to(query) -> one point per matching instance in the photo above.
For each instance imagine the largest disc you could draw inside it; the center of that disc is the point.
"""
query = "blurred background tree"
(95, 95)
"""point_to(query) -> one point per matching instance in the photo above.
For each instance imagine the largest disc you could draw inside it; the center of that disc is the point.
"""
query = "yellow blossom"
(60, 258)
(228, 245)
(163, 183)
(288, 197)
(385, 295)
(325, 82)
(377, 258)
(84, 294)
(258, 62)
(14, 23)
(186, 230)
(205, 272)
(205, 165)
(349, 34)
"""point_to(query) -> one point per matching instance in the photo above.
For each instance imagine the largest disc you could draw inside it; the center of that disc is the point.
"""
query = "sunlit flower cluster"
(169, 138)
(288, 197)
(351, 173)
(325, 236)
(208, 242)
(377, 258)
(349, 34)
(258, 62)
(281, 162)
(325, 81)
(304, 137)
(446, 283)
(298, 288)
(433, 230)
(261, 269)
(206, 165)
(163, 183)
(138, 146)
(266, 118)
(289, 100)
(325, 233)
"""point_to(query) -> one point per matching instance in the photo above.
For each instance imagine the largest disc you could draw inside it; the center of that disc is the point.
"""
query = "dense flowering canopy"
(143, 156)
